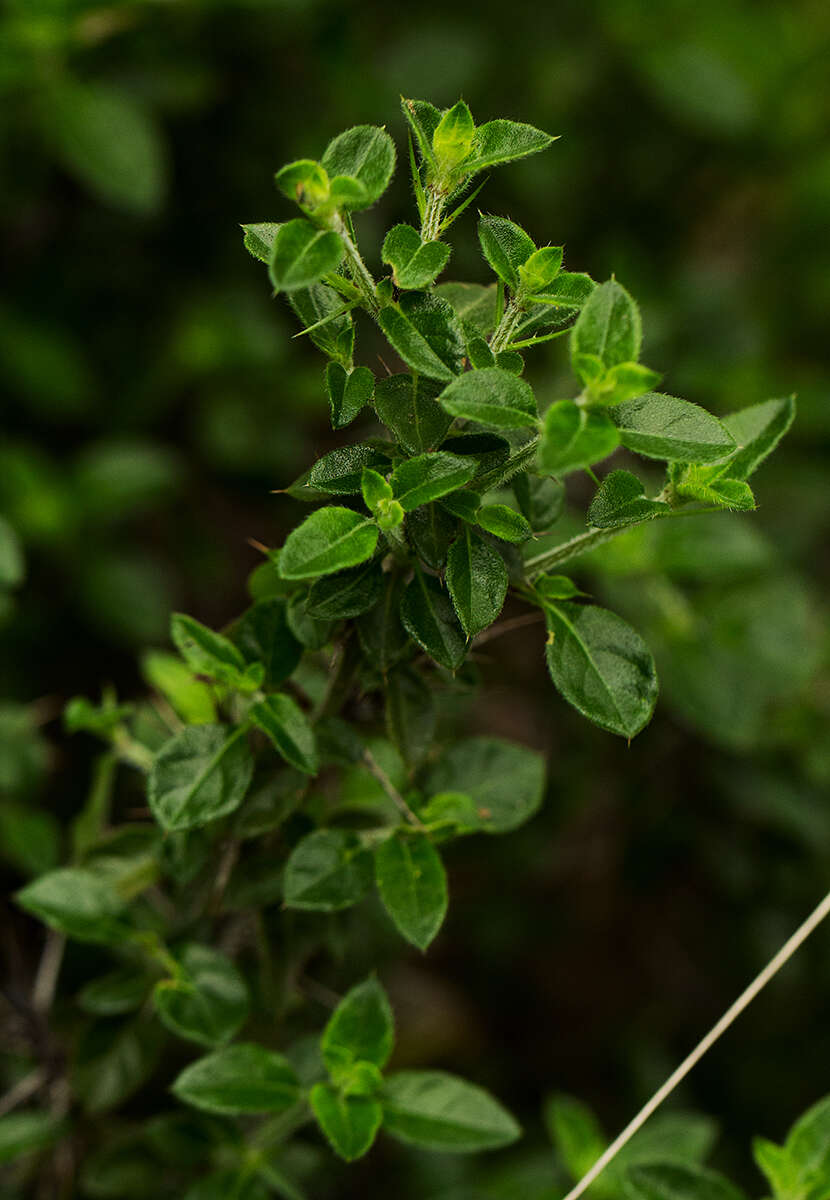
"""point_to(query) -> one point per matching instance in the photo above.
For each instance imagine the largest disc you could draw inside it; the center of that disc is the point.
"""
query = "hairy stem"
(358, 270)
(431, 223)
(506, 327)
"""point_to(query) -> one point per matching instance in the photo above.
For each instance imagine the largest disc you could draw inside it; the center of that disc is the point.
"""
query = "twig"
(391, 791)
(508, 626)
(22, 1090)
(758, 984)
(48, 970)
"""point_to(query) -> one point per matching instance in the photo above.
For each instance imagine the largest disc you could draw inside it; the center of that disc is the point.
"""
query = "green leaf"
(676, 1181)
(407, 405)
(120, 991)
(492, 397)
(30, 838)
(412, 885)
(382, 636)
(439, 1111)
(317, 306)
(113, 1060)
(539, 271)
(76, 902)
(477, 581)
(601, 666)
(264, 635)
(698, 484)
(506, 247)
(346, 594)
(504, 522)
(808, 1143)
(350, 1123)
(473, 303)
(199, 775)
(540, 498)
(12, 566)
(576, 1133)
(556, 587)
(621, 500)
(505, 782)
(608, 326)
(207, 653)
(503, 141)
(329, 540)
(361, 1029)
(425, 332)
(452, 139)
(365, 153)
(780, 1170)
(757, 431)
(285, 724)
(239, 1079)
(665, 427)
(231, 1182)
(423, 119)
(415, 264)
(189, 697)
(340, 471)
(570, 289)
(207, 1002)
(326, 871)
(410, 714)
(302, 255)
(428, 617)
(431, 530)
(304, 181)
(259, 238)
(348, 392)
(27, 1131)
(574, 437)
(109, 141)
(427, 477)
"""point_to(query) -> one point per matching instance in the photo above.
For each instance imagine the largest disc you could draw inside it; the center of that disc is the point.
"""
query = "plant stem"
(506, 327)
(358, 270)
(571, 549)
(746, 997)
(431, 224)
(391, 791)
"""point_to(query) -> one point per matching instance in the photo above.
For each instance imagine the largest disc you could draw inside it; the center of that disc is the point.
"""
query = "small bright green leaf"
(361, 1029)
(374, 488)
(574, 437)
(504, 522)
(191, 699)
(329, 540)
(556, 587)
(698, 484)
(259, 239)
(423, 118)
(348, 392)
(302, 255)
(757, 430)
(428, 617)
(415, 264)
(539, 271)
(340, 471)
(264, 635)
(350, 1123)
(452, 139)
(199, 775)
(326, 871)
(676, 1181)
(506, 247)
(429, 476)
(505, 781)
(365, 153)
(575, 1132)
(774, 1161)
(208, 1002)
(477, 581)
(442, 1112)
(304, 181)
(425, 332)
(601, 666)
(491, 397)
(608, 326)
(665, 427)
(407, 405)
(503, 141)
(625, 381)
(205, 652)
(239, 1079)
(412, 885)
(570, 289)
(76, 902)
(621, 500)
(286, 725)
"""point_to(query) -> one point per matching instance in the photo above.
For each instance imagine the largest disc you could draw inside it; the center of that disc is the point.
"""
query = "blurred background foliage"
(152, 398)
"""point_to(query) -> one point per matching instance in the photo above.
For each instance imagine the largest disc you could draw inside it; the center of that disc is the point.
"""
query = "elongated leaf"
(383, 639)
(407, 405)
(504, 522)
(474, 303)
(259, 238)
(423, 119)
(365, 153)
(415, 264)
(506, 247)
(757, 430)
(340, 471)
(601, 666)
(326, 871)
(316, 306)
(190, 698)
(608, 326)
(26, 1131)
(76, 902)
(621, 500)
(199, 775)
(302, 255)
(239, 1079)
(424, 330)
(442, 1112)
(425, 478)
(206, 652)
(361, 1029)
(504, 781)
(208, 1002)
(665, 427)
(350, 1123)
(575, 437)
(329, 540)
(412, 885)
(503, 141)
(453, 136)
(491, 397)
(348, 392)
(477, 581)
(676, 1181)
(428, 617)
(346, 594)
(113, 1059)
(287, 727)
(120, 991)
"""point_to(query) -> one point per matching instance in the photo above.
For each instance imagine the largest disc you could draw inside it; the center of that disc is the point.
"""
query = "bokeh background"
(152, 398)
